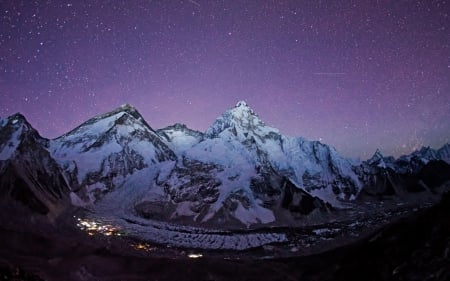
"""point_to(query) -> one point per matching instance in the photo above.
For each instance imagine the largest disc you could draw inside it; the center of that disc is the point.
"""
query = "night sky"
(358, 75)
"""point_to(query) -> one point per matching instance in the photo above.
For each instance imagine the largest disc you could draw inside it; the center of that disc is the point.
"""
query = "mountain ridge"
(238, 170)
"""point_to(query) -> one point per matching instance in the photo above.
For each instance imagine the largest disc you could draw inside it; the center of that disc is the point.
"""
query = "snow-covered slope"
(179, 137)
(240, 170)
(311, 165)
(99, 154)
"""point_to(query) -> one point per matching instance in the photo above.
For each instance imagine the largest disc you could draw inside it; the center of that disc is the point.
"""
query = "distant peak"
(425, 148)
(378, 152)
(16, 118)
(17, 121)
(176, 126)
(17, 115)
(242, 108)
(131, 111)
(127, 106)
(241, 104)
(121, 113)
(240, 118)
(376, 156)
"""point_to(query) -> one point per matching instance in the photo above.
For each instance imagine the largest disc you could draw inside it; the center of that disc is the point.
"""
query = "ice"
(117, 207)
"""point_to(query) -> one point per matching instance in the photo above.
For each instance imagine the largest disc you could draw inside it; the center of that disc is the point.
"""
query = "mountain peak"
(15, 130)
(13, 119)
(377, 157)
(132, 111)
(425, 149)
(127, 107)
(242, 119)
(118, 116)
(178, 127)
(15, 122)
(378, 153)
(241, 104)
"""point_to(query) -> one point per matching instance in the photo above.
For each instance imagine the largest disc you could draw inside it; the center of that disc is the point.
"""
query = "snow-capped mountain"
(381, 161)
(28, 173)
(245, 171)
(409, 173)
(102, 152)
(413, 162)
(310, 165)
(410, 163)
(239, 172)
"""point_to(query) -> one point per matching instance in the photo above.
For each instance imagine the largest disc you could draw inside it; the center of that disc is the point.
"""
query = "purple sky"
(358, 75)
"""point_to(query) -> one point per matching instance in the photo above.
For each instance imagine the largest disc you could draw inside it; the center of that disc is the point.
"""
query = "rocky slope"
(28, 173)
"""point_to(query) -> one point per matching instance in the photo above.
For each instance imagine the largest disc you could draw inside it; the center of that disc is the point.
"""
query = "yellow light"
(93, 227)
(142, 246)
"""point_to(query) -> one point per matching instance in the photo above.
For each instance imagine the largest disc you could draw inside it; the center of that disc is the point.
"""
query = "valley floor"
(395, 242)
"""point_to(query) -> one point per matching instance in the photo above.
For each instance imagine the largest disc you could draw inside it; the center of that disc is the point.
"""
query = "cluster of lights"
(142, 247)
(92, 227)
(96, 227)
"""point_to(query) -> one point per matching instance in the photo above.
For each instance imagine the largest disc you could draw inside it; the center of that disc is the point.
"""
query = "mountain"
(310, 165)
(443, 153)
(102, 152)
(150, 195)
(422, 170)
(381, 161)
(239, 172)
(244, 171)
(28, 173)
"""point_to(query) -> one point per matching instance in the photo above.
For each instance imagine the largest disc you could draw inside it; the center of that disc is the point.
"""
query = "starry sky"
(358, 75)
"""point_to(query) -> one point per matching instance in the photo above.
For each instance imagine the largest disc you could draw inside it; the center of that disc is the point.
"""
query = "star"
(359, 75)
